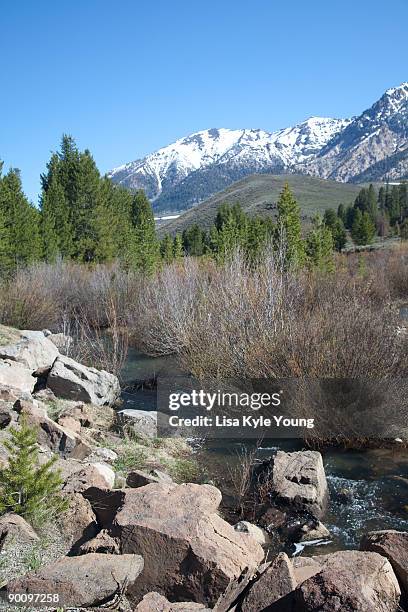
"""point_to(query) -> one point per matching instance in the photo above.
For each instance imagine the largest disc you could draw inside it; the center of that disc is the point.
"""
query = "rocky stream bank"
(136, 537)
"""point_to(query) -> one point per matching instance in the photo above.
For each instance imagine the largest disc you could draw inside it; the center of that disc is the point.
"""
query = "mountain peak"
(196, 166)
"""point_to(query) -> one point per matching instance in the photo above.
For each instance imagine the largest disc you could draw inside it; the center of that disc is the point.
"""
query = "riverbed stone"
(273, 589)
(348, 581)
(299, 481)
(74, 381)
(394, 546)
(259, 534)
(176, 528)
(83, 581)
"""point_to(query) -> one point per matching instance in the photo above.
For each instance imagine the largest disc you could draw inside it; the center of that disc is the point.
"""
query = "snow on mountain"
(259, 149)
(378, 134)
(195, 167)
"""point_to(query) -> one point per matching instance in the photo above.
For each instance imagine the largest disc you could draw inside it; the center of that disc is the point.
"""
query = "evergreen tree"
(26, 487)
(342, 213)
(319, 246)
(5, 247)
(289, 228)
(194, 240)
(372, 203)
(21, 220)
(363, 230)
(381, 199)
(178, 247)
(166, 249)
(145, 249)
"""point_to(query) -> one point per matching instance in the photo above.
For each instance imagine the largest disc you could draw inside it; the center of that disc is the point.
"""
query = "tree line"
(82, 216)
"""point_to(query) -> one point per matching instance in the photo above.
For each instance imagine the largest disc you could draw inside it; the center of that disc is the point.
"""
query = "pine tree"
(145, 248)
(342, 213)
(166, 249)
(289, 228)
(372, 203)
(319, 246)
(194, 240)
(26, 487)
(363, 230)
(5, 247)
(178, 247)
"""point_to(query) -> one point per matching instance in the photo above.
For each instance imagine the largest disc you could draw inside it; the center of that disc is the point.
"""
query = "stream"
(376, 478)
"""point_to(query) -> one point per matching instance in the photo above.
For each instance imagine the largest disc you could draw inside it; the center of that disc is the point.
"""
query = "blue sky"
(125, 78)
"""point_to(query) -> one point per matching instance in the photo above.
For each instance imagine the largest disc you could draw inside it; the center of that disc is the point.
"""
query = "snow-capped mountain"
(372, 146)
(195, 167)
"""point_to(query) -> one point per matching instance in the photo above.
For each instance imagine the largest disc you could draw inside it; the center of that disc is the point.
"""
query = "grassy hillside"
(258, 194)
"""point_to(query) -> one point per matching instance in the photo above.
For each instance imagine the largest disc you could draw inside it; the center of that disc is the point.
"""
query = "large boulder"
(33, 350)
(17, 377)
(85, 581)
(348, 581)
(101, 543)
(274, 587)
(253, 531)
(139, 478)
(158, 603)
(190, 552)
(74, 381)
(299, 481)
(393, 545)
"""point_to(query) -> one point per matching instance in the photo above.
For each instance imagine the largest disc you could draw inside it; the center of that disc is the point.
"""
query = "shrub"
(27, 488)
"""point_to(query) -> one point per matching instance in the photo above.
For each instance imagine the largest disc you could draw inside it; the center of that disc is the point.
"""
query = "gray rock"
(71, 380)
(299, 481)
(34, 351)
(143, 422)
(16, 377)
(158, 603)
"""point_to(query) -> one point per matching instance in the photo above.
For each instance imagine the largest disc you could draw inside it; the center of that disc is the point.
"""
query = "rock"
(13, 528)
(304, 568)
(298, 480)
(105, 455)
(92, 475)
(274, 587)
(78, 524)
(16, 376)
(33, 351)
(71, 380)
(393, 545)
(348, 581)
(57, 438)
(259, 534)
(158, 603)
(10, 395)
(138, 478)
(105, 503)
(5, 414)
(101, 543)
(182, 520)
(84, 581)
(345, 496)
(70, 423)
(316, 531)
(143, 422)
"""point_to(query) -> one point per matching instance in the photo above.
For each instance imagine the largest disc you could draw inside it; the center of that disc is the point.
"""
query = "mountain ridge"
(193, 168)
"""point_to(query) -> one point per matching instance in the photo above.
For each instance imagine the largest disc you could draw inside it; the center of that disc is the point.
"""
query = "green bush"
(26, 487)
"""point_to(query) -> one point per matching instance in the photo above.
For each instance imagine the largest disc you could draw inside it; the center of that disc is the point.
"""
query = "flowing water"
(376, 479)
